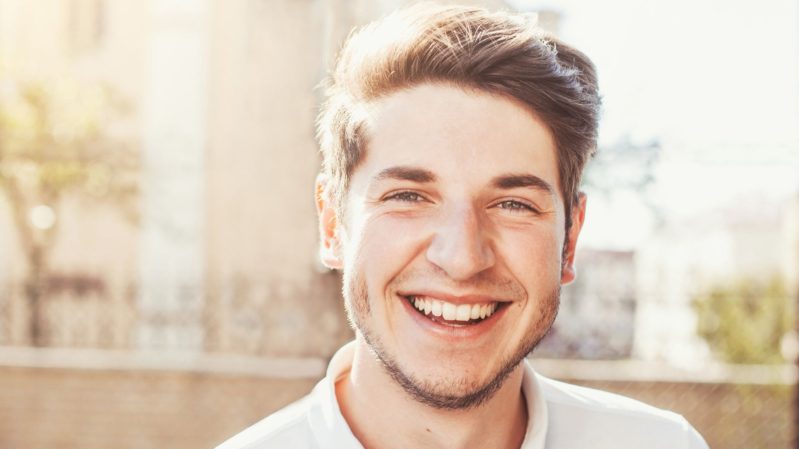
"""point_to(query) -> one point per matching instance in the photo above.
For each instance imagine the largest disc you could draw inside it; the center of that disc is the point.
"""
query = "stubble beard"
(444, 394)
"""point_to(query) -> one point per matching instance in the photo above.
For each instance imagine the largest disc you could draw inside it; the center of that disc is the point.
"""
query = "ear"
(329, 244)
(568, 272)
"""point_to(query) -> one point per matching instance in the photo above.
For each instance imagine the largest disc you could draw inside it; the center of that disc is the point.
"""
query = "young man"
(454, 140)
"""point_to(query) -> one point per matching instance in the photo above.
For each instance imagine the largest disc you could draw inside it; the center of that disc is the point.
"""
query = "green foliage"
(55, 139)
(746, 321)
(625, 165)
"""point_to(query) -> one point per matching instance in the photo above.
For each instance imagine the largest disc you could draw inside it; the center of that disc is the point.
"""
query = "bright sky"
(716, 82)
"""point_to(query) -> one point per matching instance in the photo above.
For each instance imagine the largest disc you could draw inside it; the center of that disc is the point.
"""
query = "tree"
(746, 321)
(57, 139)
(625, 166)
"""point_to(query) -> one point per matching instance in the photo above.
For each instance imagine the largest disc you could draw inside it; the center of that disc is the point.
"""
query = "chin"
(453, 387)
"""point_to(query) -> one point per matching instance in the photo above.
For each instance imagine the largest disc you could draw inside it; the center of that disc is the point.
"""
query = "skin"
(458, 197)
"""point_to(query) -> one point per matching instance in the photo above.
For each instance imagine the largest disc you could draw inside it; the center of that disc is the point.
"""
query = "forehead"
(458, 134)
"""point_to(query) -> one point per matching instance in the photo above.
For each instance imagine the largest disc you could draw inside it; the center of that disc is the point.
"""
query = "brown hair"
(501, 53)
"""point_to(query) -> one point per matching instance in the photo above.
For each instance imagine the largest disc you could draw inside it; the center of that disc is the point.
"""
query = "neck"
(382, 415)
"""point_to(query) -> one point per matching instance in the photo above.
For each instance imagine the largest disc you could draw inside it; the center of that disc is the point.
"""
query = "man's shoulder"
(287, 427)
(616, 419)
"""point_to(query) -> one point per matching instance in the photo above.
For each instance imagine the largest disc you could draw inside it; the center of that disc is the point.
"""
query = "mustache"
(485, 283)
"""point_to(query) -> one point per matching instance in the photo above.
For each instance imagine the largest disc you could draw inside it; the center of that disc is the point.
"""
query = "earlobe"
(329, 244)
(568, 271)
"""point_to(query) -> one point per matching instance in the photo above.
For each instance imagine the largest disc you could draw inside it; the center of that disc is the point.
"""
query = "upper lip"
(469, 298)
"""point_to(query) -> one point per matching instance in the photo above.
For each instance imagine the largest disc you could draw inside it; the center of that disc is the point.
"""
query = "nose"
(461, 245)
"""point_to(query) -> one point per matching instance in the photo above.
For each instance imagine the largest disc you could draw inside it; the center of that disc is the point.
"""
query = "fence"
(237, 317)
(98, 383)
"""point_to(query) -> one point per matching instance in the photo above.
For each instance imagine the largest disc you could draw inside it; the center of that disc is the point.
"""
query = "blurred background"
(159, 282)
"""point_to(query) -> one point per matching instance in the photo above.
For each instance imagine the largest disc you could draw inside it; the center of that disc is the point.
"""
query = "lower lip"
(468, 331)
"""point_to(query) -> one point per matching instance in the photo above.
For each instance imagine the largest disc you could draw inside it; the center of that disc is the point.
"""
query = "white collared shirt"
(562, 416)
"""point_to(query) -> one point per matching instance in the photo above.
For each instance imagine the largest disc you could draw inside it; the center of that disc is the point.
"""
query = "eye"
(515, 206)
(408, 197)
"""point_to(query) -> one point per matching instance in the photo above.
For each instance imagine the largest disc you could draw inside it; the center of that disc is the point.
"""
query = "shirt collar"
(326, 420)
(538, 418)
(331, 430)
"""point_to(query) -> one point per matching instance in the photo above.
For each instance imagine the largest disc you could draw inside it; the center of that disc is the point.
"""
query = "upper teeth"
(453, 312)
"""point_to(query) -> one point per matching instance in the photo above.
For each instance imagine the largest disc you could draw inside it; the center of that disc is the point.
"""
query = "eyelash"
(516, 206)
(513, 206)
(406, 196)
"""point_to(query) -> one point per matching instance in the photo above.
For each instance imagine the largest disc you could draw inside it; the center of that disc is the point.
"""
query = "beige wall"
(267, 293)
(262, 157)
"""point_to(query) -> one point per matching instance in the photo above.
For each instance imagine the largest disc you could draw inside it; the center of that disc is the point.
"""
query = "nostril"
(461, 259)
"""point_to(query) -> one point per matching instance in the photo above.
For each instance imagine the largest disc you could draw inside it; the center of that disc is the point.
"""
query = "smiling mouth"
(456, 315)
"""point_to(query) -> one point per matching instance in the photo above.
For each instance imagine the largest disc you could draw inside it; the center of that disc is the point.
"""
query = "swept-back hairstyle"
(497, 52)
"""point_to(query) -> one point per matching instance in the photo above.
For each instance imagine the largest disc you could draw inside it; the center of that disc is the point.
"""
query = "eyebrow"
(513, 181)
(406, 174)
(505, 182)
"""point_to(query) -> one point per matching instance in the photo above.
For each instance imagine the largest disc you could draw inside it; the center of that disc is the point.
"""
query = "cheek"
(385, 246)
(533, 254)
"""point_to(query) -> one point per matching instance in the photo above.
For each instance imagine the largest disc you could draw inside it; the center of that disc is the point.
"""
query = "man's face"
(453, 240)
